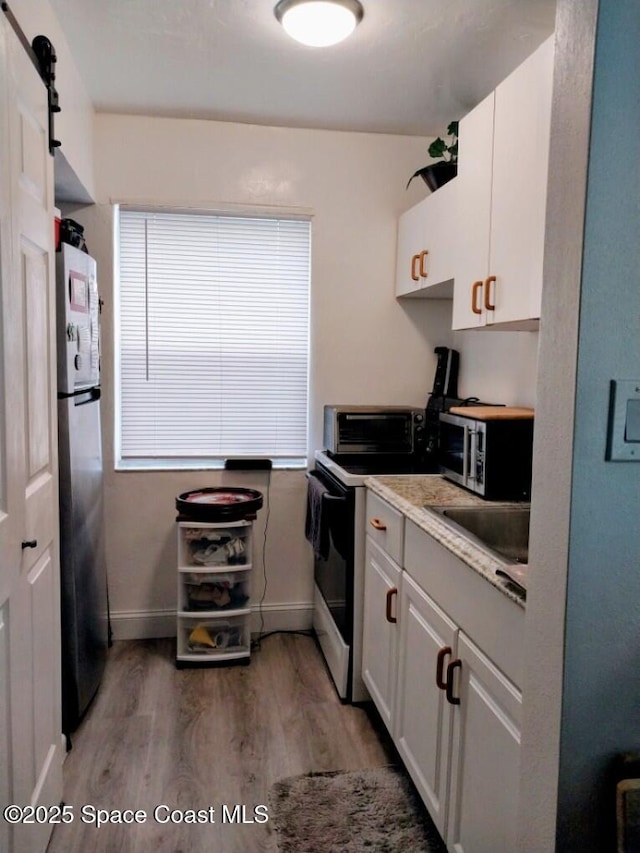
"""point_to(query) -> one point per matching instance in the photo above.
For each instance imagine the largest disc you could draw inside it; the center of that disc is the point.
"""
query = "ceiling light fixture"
(319, 23)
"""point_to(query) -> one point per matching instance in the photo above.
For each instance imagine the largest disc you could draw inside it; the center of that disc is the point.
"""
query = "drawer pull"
(455, 664)
(390, 594)
(30, 543)
(377, 524)
(442, 654)
(488, 304)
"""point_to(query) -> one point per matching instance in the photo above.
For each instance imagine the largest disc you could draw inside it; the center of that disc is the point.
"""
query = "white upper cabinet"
(426, 246)
(502, 192)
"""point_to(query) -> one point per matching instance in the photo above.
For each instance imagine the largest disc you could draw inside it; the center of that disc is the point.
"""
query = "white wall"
(366, 346)
(553, 443)
(498, 367)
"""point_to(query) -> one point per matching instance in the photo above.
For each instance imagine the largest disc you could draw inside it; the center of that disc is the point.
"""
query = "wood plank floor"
(196, 738)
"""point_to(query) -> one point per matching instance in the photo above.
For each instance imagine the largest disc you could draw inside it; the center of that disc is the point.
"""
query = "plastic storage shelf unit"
(215, 545)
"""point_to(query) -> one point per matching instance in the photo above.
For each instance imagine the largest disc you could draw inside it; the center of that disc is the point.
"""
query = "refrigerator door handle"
(88, 396)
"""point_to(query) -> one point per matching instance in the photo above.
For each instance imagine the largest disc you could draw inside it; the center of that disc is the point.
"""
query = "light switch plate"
(619, 449)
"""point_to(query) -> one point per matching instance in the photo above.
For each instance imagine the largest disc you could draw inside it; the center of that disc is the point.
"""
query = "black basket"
(72, 232)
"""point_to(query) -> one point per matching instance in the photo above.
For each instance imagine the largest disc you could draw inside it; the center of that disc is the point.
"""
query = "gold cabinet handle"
(490, 306)
(422, 256)
(377, 524)
(414, 260)
(390, 594)
(475, 290)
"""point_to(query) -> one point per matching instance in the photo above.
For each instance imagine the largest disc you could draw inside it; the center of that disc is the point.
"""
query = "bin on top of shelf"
(222, 503)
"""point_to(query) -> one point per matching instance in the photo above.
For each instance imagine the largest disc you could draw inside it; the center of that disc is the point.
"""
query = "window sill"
(296, 464)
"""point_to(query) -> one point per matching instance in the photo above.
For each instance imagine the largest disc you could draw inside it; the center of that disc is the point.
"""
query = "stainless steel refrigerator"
(84, 600)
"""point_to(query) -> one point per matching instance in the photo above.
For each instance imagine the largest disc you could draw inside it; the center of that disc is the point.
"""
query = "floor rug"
(357, 811)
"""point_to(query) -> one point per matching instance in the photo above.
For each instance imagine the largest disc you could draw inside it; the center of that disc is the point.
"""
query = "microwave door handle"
(465, 453)
(471, 473)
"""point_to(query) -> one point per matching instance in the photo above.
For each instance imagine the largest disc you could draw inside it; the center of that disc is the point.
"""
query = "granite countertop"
(410, 493)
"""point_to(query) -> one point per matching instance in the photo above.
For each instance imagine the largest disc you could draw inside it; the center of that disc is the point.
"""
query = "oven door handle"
(326, 497)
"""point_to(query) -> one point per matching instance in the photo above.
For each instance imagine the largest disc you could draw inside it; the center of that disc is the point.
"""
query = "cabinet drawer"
(214, 547)
(213, 591)
(385, 525)
(214, 638)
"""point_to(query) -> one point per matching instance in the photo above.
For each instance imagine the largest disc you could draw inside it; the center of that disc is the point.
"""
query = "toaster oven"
(373, 429)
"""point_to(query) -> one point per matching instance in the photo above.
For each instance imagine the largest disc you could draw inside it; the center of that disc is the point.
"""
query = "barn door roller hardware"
(43, 56)
(47, 59)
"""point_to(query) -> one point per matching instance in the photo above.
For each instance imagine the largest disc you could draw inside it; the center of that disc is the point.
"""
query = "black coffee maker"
(443, 395)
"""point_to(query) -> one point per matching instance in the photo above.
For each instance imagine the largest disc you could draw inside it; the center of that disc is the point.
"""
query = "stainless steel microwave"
(373, 429)
(489, 453)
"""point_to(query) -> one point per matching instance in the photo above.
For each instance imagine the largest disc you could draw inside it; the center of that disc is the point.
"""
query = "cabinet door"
(474, 215)
(518, 206)
(426, 246)
(485, 756)
(379, 642)
(423, 717)
(411, 243)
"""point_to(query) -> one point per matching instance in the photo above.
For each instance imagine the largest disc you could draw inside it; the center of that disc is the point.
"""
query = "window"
(212, 338)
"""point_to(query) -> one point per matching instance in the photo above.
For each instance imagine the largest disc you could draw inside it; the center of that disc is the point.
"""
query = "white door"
(485, 762)
(380, 635)
(11, 502)
(423, 717)
(30, 729)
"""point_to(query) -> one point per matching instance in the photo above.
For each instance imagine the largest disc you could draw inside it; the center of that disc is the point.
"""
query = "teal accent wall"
(601, 696)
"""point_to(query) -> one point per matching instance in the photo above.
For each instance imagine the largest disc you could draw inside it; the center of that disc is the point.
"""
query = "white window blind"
(213, 336)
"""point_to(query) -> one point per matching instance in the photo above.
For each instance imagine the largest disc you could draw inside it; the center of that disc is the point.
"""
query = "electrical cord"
(255, 644)
(262, 637)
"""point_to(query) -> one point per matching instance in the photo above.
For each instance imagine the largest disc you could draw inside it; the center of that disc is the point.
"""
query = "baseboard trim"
(154, 624)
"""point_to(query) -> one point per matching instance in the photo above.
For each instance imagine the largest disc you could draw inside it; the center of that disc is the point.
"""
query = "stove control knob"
(418, 418)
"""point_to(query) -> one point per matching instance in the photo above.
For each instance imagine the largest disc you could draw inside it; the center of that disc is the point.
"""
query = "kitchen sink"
(502, 529)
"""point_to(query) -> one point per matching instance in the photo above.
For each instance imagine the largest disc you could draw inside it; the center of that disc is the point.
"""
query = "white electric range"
(339, 574)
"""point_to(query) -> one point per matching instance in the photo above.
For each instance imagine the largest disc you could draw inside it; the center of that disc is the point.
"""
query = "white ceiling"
(410, 67)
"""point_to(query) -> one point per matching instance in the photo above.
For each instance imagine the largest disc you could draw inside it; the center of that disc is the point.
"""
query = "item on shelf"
(216, 596)
(72, 232)
(225, 637)
(200, 638)
(225, 503)
(218, 550)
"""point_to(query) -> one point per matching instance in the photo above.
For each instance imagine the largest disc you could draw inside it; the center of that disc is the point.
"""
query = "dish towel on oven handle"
(316, 526)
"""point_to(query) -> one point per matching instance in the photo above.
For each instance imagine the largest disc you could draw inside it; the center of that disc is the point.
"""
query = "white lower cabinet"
(380, 634)
(442, 655)
(485, 757)
(423, 719)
